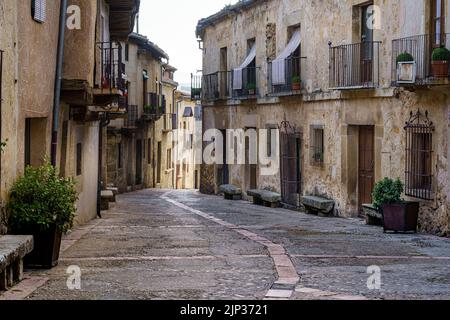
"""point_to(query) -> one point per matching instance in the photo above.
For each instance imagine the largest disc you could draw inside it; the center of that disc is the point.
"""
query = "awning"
(188, 112)
(237, 73)
(279, 65)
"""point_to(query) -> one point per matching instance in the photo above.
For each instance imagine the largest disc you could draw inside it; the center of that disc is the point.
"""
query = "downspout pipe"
(58, 80)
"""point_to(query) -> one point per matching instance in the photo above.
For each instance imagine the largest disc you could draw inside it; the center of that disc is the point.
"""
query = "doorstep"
(12, 251)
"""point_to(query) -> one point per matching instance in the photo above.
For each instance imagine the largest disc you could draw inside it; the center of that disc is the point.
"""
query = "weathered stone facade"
(342, 113)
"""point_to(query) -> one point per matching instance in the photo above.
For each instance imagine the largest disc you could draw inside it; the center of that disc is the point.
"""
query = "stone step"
(12, 251)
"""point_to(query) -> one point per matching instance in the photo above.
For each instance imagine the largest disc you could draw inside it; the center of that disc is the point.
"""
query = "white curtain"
(279, 65)
(237, 73)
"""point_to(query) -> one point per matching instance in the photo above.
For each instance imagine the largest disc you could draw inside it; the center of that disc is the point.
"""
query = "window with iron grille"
(169, 158)
(317, 145)
(419, 150)
(39, 10)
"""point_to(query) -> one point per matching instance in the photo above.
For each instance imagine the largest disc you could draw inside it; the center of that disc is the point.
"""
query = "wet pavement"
(161, 244)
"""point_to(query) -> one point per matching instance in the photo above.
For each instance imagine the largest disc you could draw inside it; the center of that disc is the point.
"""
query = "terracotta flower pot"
(296, 86)
(439, 69)
(401, 217)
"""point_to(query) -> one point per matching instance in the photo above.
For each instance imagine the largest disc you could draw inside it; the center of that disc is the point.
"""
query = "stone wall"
(340, 113)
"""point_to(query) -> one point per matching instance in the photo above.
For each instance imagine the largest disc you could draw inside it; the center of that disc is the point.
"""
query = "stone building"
(344, 128)
(188, 133)
(91, 87)
(131, 158)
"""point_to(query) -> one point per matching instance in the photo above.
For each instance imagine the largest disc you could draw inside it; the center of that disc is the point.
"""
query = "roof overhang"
(122, 17)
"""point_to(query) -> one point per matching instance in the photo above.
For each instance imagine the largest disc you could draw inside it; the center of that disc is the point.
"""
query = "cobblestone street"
(184, 245)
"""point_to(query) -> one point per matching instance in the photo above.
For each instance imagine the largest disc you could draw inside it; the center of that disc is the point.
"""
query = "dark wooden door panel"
(366, 172)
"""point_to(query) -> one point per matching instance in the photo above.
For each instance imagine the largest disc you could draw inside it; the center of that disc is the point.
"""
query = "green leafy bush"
(251, 86)
(405, 57)
(441, 54)
(387, 191)
(40, 199)
(296, 79)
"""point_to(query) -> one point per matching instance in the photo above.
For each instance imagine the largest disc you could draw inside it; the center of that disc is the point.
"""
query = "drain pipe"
(58, 77)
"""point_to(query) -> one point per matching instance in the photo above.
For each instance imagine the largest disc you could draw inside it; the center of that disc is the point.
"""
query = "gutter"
(58, 77)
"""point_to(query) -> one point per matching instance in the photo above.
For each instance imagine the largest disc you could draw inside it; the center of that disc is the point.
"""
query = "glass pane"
(438, 8)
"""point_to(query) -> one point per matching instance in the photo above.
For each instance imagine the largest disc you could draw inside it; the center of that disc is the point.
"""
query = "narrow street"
(157, 244)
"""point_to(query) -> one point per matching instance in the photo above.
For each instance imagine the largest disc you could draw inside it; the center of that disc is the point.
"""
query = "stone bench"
(373, 216)
(12, 251)
(266, 198)
(318, 205)
(231, 192)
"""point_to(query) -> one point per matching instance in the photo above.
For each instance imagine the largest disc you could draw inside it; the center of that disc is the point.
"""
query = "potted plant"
(406, 68)
(251, 88)
(440, 62)
(398, 215)
(196, 92)
(42, 204)
(296, 83)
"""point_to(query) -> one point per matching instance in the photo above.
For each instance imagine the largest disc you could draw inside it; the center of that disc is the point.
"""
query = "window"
(79, 159)
(269, 129)
(127, 51)
(317, 145)
(149, 151)
(169, 159)
(419, 150)
(39, 10)
(119, 155)
(437, 21)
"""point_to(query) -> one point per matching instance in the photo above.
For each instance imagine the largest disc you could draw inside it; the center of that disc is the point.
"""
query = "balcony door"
(367, 26)
(437, 20)
(223, 73)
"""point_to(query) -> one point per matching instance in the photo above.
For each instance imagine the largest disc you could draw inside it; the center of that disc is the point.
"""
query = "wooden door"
(367, 44)
(366, 171)
(290, 167)
(139, 162)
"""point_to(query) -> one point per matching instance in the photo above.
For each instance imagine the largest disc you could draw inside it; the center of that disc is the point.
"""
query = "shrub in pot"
(251, 88)
(296, 83)
(440, 62)
(398, 215)
(404, 57)
(42, 204)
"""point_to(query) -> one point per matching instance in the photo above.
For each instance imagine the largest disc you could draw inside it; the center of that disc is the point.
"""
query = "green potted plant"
(398, 215)
(440, 62)
(42, 204)
(296, 83)
(251, 88)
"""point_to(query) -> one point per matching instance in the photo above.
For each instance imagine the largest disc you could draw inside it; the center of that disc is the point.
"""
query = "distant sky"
(171, 25)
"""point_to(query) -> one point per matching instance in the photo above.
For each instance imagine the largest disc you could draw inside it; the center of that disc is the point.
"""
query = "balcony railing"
(131, 119)
(287, 79)
(112, 68)
(421, 48)
(155, 105)
(355, 65)
(249, 83)
(222, 85)
(196, 87)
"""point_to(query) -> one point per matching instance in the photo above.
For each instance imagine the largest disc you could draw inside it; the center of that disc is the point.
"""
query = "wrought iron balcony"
(154, 106)
(111, 69)
(132, 117)
(196, 87)
(420, 49)
(355, 66)
(224, 85)
(285, 78)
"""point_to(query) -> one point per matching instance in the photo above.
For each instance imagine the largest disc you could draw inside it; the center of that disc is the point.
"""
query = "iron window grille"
(419, 151)
(317, 145)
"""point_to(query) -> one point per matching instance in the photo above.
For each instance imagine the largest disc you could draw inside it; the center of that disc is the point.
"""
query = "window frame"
(314, 147)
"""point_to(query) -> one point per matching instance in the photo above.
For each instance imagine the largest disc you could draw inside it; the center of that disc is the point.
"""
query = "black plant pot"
(47, 244)
(401, 217)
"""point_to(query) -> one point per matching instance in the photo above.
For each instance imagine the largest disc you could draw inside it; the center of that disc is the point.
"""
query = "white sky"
(171, 25)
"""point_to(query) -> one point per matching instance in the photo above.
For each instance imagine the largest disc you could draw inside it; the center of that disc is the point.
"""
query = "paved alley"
(157, 244)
